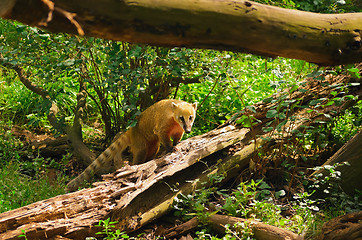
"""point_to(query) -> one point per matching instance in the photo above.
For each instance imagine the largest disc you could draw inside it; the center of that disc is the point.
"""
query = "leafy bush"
(320, 6)
(251, 200)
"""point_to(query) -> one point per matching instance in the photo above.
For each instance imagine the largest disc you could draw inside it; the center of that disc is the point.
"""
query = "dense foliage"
(320, 6)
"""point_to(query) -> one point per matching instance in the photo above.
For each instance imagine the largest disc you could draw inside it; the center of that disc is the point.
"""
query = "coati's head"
(185, 114)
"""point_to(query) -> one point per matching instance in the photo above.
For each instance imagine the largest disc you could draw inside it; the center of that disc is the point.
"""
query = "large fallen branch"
(243, 26)
(260, 230)
(348, 226)
(218, 222)
(74, 215)
(128, 195)
(351, 154)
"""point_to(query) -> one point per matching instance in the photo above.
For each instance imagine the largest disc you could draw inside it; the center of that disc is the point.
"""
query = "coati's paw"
(171, 149)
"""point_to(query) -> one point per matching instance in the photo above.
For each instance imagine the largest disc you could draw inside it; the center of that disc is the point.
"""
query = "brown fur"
(162, 123)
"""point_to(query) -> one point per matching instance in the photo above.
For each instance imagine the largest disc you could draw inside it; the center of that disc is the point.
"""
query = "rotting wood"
(218, 222)
(348, 226)
(260, 230)
(181, 229)
(74, 215)
(351, 172)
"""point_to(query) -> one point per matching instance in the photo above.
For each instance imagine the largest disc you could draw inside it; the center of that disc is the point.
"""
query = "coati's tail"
(105, 158)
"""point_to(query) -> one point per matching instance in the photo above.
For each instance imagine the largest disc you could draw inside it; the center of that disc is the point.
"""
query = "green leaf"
(267, 129)
(267, 100)
(314, 102)
(353, 70)
(280, 125)
(244, 121)
(282, 116)
(279, 194)
(271, 113)
(264, 185)
(44, 36)
(251, 108)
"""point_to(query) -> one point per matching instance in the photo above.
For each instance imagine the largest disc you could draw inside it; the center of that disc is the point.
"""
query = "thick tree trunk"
(351, 173)
(244, 26)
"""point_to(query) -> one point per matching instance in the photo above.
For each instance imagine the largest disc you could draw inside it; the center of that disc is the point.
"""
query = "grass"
(16, 101)
(16, 188)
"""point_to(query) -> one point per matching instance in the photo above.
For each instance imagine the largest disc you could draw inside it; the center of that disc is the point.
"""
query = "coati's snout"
(185, 115)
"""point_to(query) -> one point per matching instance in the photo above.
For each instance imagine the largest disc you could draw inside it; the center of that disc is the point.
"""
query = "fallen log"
(182, 229)
(74, 215)
(218, 223)
(260, 230)
(348, 226)
(350, 154)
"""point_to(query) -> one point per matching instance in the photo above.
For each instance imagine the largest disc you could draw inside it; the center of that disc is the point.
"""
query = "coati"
(165, 120)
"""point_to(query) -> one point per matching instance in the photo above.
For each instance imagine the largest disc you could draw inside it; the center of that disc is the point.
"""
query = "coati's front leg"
(167, 143)
(176, 138)
(172, 138)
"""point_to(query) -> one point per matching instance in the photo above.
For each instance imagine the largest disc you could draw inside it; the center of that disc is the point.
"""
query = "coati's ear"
(174, 105)
(194, 105)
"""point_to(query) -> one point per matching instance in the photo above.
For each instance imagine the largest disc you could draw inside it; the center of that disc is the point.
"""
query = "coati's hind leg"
(144, 150)
(138, 147)
(121, 157)
(139, 156)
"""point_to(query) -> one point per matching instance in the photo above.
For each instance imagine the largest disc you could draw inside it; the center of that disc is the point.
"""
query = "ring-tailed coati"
(162, 123)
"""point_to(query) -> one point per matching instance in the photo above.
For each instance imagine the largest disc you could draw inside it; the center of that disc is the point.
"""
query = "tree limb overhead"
(242, 26)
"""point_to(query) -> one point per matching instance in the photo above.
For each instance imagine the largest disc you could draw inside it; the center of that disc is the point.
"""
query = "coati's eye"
(182, 118)
(191, 117)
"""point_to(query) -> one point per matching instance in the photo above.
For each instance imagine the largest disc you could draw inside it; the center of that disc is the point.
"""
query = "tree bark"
(242, 26)
(348, 226)
(260, 230)
(351, 172)
(217, 222)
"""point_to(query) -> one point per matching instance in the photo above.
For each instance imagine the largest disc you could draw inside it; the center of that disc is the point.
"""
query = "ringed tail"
(106, 157)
